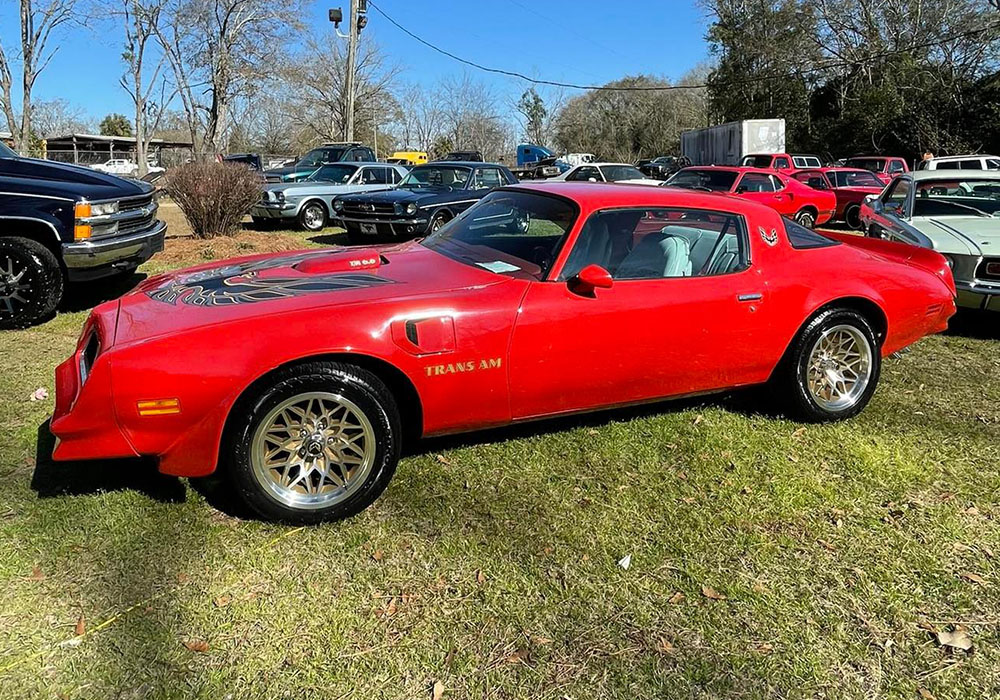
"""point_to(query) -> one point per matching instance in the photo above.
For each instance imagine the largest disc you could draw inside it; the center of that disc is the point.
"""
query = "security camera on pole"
(359, 18)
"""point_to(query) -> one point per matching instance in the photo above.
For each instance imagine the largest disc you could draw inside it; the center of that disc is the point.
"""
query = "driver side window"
(660, 243)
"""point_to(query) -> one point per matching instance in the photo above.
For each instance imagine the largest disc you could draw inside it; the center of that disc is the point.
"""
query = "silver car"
(955, 212)
(309, 201)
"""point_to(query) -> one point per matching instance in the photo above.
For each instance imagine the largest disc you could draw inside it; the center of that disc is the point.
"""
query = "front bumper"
(100, 257)
(397, 228)
(275, 210)
(975, 295)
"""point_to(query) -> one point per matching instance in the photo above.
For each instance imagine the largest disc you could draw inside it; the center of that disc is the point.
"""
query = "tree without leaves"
(37, 24)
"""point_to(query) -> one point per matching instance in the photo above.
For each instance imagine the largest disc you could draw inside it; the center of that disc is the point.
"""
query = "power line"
(653, 88)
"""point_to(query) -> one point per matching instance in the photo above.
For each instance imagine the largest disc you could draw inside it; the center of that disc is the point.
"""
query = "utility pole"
(358, 19)
(354, 32)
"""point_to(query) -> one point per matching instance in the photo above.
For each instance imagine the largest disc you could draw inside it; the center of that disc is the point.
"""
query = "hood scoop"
(353, 260)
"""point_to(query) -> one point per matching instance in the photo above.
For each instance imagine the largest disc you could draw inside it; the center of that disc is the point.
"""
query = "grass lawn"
(768, 559)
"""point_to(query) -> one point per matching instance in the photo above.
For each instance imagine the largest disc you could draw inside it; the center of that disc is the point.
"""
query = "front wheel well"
(318, 200)
(398, 383)
(36, 230)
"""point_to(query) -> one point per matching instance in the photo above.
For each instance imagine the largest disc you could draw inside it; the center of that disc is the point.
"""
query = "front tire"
(438, 221)
(312, 217)
(319, 442)
(31, 282)
(833, 367)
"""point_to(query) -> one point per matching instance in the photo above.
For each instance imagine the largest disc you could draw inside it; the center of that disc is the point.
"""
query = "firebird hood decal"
(243, 284)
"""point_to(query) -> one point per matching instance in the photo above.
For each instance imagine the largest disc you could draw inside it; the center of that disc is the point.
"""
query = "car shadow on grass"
(326, 237)
(83, 296)
(970, 323)
(53, 479)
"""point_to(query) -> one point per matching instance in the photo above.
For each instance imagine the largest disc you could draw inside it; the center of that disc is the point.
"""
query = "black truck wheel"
(31, 282)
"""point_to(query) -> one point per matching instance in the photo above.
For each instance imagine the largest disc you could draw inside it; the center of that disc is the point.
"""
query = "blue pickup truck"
(66, 223)
(537, 162)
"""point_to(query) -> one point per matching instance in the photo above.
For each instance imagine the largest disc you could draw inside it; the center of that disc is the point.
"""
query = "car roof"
(918, 175)
(610, 194)
(967, 155)
(599, 163)
(731, 168)
(457, 164)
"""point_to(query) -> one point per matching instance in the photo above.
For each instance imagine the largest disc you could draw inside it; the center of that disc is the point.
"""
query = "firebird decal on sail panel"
(241, 284)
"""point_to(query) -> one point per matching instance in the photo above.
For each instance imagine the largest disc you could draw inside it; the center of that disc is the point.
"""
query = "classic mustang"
(953, 212)
(428, 197)
(807, 206)
(540, 300)
(849, 185)
(309, 201)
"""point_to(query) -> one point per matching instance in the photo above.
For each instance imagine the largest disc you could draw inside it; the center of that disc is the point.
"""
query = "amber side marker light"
(158, 407)
(81, 211)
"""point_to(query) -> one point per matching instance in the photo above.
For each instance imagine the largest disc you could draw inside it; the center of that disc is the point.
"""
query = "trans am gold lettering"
(462, 367)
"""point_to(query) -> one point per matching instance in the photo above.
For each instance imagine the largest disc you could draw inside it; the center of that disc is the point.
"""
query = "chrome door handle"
(750, 297)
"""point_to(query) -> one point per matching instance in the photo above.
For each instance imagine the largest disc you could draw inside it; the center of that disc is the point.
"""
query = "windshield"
(616, 173)
(6, 152)
(855, 178)
(712, 180)
(957, 197)
(508, 232)
(318, 156)
(875, 165)
(333, 173)
(757, 161)
(437, 176)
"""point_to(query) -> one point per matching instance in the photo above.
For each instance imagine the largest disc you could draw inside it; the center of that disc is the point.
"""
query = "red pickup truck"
(780, 161)
(884, 167)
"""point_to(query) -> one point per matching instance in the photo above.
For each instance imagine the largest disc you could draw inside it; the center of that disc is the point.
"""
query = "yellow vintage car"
(408, 158)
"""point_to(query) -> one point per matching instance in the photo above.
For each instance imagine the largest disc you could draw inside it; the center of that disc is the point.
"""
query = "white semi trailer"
(726, 144)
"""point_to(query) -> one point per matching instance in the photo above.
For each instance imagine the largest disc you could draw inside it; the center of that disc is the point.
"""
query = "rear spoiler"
(924, 258)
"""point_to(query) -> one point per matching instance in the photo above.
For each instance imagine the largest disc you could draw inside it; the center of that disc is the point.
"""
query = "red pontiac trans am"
(849, 185)
(300, 374)
(789, 197)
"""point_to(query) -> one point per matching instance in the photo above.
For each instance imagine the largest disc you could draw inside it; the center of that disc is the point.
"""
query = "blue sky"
(579, 41)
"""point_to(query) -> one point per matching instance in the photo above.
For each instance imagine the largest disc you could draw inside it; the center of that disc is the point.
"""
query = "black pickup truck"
(65, 223)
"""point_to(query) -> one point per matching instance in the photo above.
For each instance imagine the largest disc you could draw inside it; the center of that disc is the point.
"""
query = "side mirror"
(875, 203)
(741, 189)
(590, 278)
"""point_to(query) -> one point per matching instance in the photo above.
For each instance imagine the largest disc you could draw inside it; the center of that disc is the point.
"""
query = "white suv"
(972, 162)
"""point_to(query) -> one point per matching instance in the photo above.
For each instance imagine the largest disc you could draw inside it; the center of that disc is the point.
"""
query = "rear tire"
(852, 217)
(319, 442)
(832, 368)
(806, 217)
(31, 282)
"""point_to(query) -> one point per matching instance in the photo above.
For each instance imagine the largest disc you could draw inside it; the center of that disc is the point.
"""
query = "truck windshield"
(712, 180)
(875, 165)
(318, 156)
(437, 176)
(856, 178)
(508, 232)
(6, 152)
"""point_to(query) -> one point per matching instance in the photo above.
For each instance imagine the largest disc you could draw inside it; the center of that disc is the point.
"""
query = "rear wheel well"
(407, 399)
(866, 307)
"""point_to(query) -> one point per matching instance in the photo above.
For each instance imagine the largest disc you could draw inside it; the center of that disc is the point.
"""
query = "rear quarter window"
(803, 238)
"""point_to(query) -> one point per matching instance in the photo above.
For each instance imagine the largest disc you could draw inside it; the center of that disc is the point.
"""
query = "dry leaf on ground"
(36, 574)
(925, 694)
(480, 577)
(676, 598)
(81, 626)
(222, 601)
(956, 639)
(437, 691)
(711, 593)
(442, 459)
(973, 578)
(198, 645)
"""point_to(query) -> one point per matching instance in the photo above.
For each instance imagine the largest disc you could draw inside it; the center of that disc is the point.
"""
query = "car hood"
(262, 288)
(404, 195)
(303, 189)
(287, 170)
(962, 235)
(70, 181)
